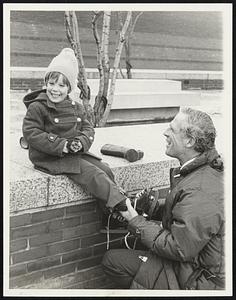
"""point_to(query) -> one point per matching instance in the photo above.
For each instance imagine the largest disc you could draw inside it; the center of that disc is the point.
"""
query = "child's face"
(56, 89)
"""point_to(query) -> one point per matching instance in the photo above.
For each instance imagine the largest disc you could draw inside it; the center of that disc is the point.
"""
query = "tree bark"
(72, 33)
(99, 52)
(102, 63)
(114, 72)
(105, 46)
(97, 103)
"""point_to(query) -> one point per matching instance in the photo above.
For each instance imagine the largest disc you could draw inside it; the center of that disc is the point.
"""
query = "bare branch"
(116, 65)
(68, 28)
(98, 105)
(134, 23)
(121, 24)
(103, 64)
(128, 45)
(72, 32)
(99, 51)
(121, 72)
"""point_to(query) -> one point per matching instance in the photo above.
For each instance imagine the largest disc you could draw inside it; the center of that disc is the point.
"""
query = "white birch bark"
(102, 63)
(99, 52)
(72, 32)
(114, 72)
(105, 50)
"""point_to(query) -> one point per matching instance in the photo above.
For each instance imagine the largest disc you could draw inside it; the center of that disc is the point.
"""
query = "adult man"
(186, 250)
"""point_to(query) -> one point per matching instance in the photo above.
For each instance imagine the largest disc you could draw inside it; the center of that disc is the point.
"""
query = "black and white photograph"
(117, 149)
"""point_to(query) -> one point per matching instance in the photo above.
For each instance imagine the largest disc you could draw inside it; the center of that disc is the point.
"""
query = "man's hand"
(130, 213)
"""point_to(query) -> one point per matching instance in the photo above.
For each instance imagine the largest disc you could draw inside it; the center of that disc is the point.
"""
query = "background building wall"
(162, 40)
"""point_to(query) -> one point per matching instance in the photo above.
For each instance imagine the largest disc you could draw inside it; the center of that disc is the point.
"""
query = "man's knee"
(121, 265)
(107, 259)
(113, 260)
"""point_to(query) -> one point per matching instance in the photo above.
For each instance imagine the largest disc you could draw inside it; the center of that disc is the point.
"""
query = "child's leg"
(101, 165)
(98, 183)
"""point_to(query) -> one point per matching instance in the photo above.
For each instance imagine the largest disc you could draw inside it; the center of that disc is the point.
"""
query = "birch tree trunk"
(72, 33)
(105, 50)
(119, 28)
(102, 63)
(115, 67)
(99, 66)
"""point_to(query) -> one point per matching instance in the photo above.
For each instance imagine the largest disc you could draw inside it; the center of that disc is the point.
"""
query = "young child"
(59, 134)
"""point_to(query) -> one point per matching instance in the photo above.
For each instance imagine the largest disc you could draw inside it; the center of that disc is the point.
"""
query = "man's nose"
(165, 133)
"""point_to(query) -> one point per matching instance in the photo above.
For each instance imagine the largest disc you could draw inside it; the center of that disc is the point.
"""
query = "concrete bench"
(23, 174)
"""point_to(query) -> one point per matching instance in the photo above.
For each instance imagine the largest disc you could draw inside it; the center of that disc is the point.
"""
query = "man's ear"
(190, 142)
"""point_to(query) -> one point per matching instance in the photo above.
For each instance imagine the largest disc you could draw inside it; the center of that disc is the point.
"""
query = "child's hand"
(74, 145)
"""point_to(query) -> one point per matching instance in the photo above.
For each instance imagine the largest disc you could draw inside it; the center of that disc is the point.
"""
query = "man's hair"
(201, 128)
(55, 76)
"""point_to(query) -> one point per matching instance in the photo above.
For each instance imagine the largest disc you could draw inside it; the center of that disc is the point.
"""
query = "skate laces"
(128, 233)
(126, 241)
(137, 196)
(108, 230)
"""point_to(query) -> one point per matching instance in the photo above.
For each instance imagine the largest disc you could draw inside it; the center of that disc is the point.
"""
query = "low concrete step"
(128, 100)
(128, 107)
(139, 86)
(125, 100)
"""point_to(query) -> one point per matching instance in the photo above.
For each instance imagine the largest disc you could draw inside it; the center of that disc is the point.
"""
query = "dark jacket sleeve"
(86, 134)
(192, 227)
(33, 131)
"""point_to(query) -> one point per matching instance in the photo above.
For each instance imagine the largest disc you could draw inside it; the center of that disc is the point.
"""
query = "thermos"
(119, 151)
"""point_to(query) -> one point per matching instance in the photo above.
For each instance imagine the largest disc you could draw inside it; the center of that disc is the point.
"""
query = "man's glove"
(74, 145)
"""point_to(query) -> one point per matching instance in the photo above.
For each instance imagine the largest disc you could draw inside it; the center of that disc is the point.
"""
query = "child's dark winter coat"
(48, 125)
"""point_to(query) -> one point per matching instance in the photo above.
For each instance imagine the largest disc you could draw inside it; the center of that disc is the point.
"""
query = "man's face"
(56, 90)
(175, 138)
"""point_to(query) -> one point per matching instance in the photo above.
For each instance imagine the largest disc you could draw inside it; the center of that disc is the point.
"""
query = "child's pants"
(98, 179)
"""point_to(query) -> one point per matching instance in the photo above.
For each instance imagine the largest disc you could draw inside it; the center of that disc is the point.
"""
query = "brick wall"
(36, 83)
(204, 84)
(61, 248)
(58, 242)
(26, 83)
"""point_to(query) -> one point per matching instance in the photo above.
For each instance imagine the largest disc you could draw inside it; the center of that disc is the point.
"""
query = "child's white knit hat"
(66, 63)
